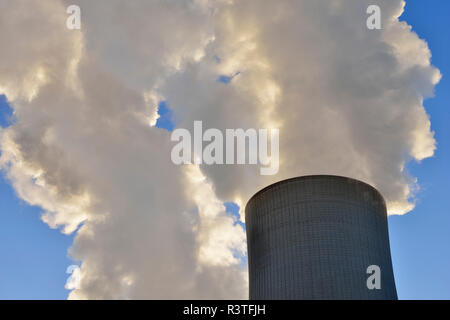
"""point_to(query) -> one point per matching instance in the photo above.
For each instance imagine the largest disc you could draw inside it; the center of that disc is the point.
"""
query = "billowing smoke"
(347, 101)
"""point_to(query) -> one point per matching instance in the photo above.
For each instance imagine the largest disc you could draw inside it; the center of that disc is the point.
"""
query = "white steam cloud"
(347, 101)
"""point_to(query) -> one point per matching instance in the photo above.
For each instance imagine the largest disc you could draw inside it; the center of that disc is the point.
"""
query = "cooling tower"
(314, 237)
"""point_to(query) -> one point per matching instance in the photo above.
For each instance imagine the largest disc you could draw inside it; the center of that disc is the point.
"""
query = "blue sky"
(34, 257)
(420, 240)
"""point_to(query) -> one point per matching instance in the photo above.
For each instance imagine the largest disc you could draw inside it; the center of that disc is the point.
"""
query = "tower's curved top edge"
(317, 176)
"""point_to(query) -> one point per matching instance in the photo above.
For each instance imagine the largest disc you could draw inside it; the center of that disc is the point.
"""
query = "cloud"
(84, 147)
(347, 100)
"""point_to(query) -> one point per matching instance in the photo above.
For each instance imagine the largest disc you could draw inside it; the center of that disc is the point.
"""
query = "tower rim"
(314, 176)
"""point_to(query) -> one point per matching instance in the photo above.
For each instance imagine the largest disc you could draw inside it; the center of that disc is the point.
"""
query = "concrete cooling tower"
(315, 237)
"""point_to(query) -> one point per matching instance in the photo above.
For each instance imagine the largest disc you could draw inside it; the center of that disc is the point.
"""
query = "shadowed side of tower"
(314, 237)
